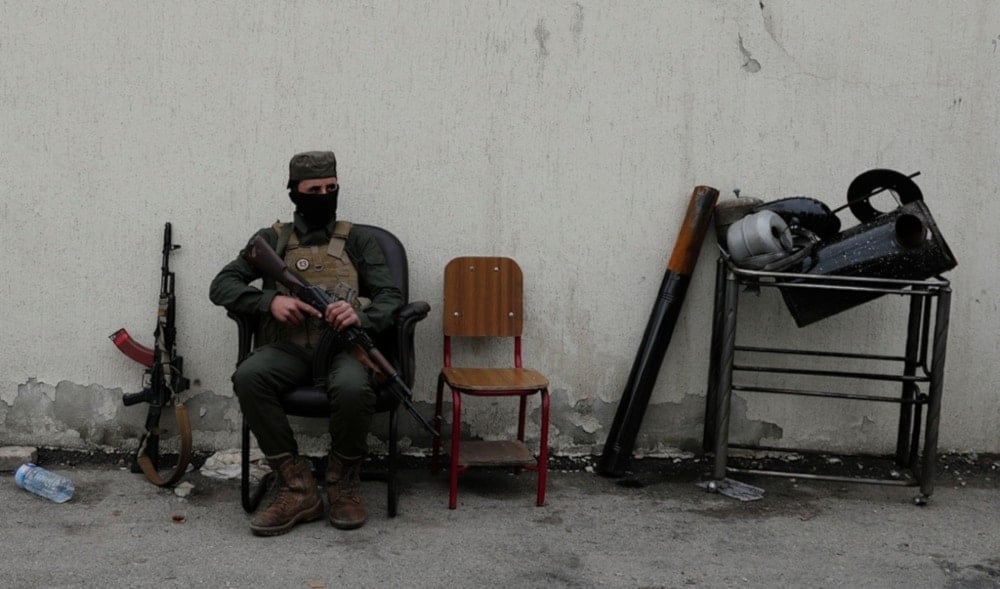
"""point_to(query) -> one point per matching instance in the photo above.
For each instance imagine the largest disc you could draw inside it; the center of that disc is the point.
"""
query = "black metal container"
(902, 244)
(806, 213)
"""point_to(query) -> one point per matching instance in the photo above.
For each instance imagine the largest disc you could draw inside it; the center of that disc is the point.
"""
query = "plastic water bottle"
(43, 482)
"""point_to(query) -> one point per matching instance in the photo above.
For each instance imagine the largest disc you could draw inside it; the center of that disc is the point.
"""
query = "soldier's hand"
(291, 310)
(341, 315)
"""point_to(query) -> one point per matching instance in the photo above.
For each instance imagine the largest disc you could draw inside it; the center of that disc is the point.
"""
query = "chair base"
(515, 453)
(495, 453)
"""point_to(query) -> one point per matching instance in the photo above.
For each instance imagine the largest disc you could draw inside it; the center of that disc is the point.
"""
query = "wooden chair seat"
(494, 379)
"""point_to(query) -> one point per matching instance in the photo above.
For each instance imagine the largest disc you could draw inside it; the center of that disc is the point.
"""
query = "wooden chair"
(310, 401)
(483, 298)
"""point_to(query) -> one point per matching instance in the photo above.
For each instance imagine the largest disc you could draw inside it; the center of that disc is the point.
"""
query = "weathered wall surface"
(565, 134)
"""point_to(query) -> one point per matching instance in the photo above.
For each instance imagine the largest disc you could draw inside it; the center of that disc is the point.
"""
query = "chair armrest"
(406, 322)
(246, 325)
(413, 312)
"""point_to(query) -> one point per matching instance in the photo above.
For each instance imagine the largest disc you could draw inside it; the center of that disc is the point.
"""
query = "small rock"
(12, 457)
(589, 468)
(184, 489)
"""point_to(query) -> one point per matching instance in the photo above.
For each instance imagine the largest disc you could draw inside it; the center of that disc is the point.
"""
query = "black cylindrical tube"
(659, 329)
(621, 439)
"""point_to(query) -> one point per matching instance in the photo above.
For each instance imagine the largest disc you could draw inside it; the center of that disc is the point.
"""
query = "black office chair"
(396, 345)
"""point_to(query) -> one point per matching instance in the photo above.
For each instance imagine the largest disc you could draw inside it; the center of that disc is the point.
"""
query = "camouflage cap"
(312, 164)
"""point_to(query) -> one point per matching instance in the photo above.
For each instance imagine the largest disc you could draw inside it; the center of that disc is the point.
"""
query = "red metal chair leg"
(522, 411)
(543, 457)
(456, 430)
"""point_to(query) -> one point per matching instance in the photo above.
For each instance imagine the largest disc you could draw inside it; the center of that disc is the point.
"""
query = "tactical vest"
(327, 266)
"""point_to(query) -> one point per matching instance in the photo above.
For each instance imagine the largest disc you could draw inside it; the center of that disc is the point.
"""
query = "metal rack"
(919, 370)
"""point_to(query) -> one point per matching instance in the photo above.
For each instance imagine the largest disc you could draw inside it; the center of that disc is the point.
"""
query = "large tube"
(659, 329)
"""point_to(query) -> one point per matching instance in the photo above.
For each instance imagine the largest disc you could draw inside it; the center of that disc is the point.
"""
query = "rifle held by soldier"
(263, 257)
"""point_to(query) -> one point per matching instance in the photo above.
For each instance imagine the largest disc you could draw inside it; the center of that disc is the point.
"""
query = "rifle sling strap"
(146, 464)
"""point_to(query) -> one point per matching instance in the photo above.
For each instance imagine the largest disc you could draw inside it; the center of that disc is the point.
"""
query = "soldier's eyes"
(328, 189)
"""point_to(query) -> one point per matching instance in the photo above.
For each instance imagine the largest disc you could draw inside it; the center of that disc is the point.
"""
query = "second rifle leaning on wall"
(163, 379)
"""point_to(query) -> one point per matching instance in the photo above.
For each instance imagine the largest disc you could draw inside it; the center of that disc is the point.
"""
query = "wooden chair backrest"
(483, 297)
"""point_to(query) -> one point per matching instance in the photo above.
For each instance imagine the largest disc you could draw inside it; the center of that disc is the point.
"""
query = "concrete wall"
(568, 135)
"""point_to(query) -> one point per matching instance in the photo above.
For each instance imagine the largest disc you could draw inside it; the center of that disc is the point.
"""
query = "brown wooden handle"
(262, 256)
(381, 363)
(367, 359)
(692, 234)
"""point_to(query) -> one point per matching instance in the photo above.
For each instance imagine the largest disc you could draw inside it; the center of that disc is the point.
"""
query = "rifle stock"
(262, 256)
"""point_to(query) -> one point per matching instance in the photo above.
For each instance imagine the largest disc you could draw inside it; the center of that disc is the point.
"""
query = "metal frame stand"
(920, 370)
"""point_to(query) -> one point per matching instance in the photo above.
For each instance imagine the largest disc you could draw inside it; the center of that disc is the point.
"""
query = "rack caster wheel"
(920, 500)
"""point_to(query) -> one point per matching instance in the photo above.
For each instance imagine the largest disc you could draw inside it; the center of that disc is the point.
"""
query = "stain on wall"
(750, 65)
(579, 426)
(78, 416)
(576, 24)
(542, 35)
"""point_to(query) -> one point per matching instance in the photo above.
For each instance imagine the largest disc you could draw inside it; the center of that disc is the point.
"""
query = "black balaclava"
(317, 210)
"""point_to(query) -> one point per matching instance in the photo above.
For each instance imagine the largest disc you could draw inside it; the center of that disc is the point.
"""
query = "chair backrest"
(395, 257)
(483, 297)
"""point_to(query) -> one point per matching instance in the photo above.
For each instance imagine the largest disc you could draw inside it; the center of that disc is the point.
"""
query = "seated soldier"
(330, 253)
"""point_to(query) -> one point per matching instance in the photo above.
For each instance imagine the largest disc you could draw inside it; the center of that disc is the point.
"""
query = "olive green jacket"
(231, 286)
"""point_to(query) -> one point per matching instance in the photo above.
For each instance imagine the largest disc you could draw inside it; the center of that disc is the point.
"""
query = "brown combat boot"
(298, 499)
(343, 486)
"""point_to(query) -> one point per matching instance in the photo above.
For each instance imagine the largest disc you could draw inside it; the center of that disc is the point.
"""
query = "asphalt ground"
(652, 528)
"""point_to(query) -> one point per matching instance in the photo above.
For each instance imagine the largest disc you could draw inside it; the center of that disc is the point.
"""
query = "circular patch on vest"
(302, 264)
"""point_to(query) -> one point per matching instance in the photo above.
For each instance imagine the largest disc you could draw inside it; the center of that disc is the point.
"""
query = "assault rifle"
(263, 257)
(162, 381)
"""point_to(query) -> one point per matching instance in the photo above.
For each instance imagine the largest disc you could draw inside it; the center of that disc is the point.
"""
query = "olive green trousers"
(277, 368)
